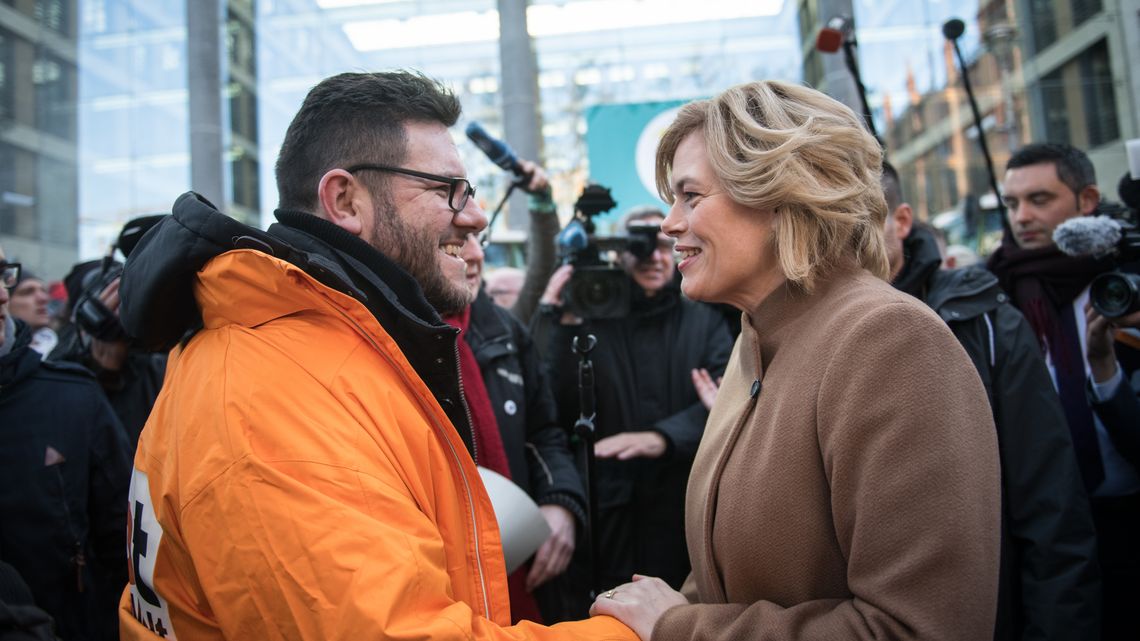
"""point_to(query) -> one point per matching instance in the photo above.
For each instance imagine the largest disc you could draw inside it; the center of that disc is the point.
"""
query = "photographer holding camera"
(1046, 185)
(130, 376)
(649, 417)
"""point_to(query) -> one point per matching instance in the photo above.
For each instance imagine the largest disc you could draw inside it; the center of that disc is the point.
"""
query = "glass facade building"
(96, 115)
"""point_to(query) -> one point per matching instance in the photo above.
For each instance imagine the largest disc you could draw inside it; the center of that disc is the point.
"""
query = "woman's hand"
(639, 604)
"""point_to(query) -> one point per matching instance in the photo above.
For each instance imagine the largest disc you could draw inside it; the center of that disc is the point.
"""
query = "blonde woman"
(847, 483)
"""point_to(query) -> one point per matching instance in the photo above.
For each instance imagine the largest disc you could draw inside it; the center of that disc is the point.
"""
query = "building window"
(1098, 95)
(1078, 100)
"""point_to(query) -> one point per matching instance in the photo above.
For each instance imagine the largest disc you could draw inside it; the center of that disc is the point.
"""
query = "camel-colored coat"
(855, 494)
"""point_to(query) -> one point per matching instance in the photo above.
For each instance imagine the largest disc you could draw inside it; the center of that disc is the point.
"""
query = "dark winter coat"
(537, 447)
(131, 390)
(642, 366)
(1120, 413)
(1050, 581)
(64, 475)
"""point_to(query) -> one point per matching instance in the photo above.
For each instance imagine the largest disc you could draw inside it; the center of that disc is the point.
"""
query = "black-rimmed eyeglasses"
(9, 274)
(459, 189)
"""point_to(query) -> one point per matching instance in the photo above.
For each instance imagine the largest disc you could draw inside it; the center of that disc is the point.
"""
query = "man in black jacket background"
(1049, 582)
(64, 474)
(649, 417)
(537, 449)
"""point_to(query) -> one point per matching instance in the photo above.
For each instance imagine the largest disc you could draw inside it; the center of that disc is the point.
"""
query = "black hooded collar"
(373, 273)
(921, 259)
(159, 308)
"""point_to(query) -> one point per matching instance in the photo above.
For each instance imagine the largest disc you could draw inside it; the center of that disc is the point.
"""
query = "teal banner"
(622, 142)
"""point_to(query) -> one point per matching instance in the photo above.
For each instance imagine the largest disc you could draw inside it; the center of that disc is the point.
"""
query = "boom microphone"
(497, 150)
(1097, 236)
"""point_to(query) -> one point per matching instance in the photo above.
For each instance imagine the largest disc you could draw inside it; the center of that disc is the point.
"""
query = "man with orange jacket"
(309, 469)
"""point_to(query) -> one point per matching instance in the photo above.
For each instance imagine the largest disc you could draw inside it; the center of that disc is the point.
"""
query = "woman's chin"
(692, 290)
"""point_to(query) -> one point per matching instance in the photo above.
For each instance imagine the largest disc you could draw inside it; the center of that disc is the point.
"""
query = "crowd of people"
(244, 433)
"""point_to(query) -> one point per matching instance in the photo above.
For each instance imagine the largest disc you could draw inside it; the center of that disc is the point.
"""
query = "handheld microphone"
(497, 150)
(833, 34)
(1097, 236)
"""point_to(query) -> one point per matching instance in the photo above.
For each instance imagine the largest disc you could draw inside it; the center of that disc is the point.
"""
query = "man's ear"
(1088, 199)
(904, 220)
(343, 201)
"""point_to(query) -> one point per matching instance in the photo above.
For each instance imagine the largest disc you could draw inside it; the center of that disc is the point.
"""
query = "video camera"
(599, 287)
(1113, 233)
(87, 310)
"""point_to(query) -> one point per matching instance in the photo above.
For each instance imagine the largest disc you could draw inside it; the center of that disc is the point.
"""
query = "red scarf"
(489, 445)
(488, 441)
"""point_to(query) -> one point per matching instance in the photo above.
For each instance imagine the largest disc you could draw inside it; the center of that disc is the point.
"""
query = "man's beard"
(415, 251)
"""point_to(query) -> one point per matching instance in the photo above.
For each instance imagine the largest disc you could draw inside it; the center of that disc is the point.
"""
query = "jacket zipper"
(466, 408)
(79, 560)
(454, 454)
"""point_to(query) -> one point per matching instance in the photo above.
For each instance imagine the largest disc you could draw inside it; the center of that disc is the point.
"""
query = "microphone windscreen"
(1088, 235)
(829, 40)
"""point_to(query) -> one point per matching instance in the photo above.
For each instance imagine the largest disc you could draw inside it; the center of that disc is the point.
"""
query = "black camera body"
(89, 313)
(597, 289)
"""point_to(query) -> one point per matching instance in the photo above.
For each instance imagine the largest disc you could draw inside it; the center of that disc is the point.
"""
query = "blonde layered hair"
(793, 150)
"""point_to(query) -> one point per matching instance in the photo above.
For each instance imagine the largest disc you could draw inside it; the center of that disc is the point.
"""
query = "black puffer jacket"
(64, 475)
(537, 447)
(1050, 582)
(642, 367)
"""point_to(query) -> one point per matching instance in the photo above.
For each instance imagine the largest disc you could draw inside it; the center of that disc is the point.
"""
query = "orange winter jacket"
(297, 480)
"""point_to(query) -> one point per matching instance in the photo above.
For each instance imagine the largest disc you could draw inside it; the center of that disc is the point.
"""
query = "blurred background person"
(959, 256)
(649, 416)
(504, 284)
(847, 485)
(1050, 581)
(29, 303)
(64, 472)
(507, 391)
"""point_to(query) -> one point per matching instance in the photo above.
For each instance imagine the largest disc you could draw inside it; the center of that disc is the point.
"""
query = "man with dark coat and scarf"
(649, 416)
(1045, 185)
(513, 413)
(64, 474)
(1049, 582)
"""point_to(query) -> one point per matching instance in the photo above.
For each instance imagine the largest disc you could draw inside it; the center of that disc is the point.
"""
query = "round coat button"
(510, 408)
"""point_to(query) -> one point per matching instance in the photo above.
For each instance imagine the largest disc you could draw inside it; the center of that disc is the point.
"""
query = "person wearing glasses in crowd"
(64, 473)
(309, 469)
(847, 485)
(650, 418)
(506, 388)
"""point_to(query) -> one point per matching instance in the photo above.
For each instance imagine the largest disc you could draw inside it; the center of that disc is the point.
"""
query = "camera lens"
(1115, 294)
(596, 293)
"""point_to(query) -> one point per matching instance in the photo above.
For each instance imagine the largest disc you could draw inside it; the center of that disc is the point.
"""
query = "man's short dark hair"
(356, 118)
(892, 188)
(1073, 166)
